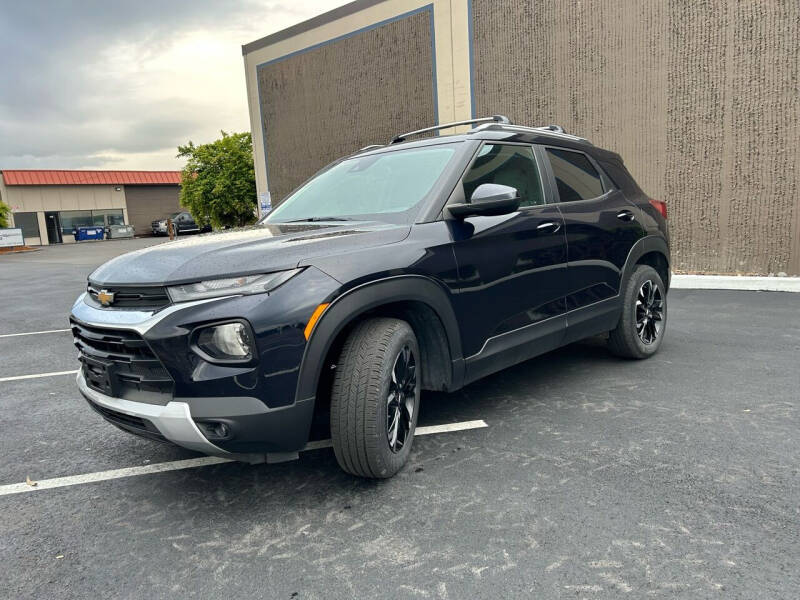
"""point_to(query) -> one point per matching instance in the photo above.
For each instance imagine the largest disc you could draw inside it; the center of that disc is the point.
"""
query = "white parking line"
(37, 375)
(7, 335)
(175, 465)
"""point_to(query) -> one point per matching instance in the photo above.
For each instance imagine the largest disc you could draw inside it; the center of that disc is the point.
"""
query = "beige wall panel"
(87, 198)
(12, 196)
(30, 200)
(146, 203)
(334, 99)
(100, 197)
(118, 198)
(63, 197)
(69, 198)
(700, 98)
(42, 229)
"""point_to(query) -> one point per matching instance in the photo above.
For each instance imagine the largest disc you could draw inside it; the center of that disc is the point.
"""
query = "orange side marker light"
(313, 320)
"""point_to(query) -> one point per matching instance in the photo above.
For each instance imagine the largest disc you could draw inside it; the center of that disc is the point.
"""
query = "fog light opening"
(215, 430)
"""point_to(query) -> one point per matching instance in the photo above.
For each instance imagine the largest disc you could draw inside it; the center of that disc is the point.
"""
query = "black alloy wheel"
(401, 400)
(649, 312)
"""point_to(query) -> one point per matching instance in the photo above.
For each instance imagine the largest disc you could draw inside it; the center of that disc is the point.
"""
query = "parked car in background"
(417, 265)
(184, 223)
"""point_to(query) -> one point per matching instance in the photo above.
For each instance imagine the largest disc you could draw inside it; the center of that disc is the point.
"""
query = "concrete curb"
(734, 282)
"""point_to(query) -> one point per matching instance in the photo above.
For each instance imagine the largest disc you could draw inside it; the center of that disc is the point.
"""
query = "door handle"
(626, 215)
(548, 226)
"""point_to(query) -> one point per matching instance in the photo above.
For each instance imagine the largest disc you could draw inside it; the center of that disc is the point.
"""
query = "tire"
(364, 398)
(643, 321)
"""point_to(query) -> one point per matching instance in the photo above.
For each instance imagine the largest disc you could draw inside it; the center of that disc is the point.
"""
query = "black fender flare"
(645, 245)
(362, 298)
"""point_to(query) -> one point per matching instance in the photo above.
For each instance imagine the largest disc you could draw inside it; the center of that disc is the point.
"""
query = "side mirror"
(488, 199)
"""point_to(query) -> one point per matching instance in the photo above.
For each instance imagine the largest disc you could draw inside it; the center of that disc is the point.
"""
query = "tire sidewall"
(386, 462)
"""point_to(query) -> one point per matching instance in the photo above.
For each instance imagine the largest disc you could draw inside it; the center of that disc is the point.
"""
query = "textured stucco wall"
(701, 99)
(331, 100)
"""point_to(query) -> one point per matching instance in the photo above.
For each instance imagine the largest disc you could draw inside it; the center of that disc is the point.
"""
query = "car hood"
(257, 249)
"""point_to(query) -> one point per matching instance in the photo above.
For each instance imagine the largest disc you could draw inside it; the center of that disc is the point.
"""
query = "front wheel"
(640, 330)
(375, 398)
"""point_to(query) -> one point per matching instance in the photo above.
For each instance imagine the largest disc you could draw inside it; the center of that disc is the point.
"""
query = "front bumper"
(177, 420)
(173, 421)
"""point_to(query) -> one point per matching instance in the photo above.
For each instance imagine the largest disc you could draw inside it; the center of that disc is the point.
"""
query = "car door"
(189, 223)
(601, 228)
(184, 222)
(511, 268)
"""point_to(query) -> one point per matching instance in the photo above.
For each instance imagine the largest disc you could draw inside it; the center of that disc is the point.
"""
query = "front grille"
(119, 363)
(141, 298)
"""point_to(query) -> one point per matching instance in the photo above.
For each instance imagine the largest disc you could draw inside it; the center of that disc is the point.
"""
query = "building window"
(72, 219)
(111, 216)
(576, 178)
(28, 222)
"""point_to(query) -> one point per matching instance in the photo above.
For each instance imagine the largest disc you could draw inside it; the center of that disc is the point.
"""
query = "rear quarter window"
(576, 178)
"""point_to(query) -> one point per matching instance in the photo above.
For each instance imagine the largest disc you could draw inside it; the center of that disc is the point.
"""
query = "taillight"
(660, 206)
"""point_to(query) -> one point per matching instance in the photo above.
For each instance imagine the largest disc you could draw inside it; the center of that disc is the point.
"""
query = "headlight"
(246, 285)
(227, 342)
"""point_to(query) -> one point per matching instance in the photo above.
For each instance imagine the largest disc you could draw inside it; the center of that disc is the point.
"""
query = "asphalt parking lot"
(595, 477)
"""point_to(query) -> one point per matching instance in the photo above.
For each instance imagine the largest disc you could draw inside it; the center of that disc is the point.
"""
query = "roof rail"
(370, 147)
(493, 119)
(556, 130)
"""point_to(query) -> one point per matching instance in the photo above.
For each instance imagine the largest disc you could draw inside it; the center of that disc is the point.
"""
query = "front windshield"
(383, 187)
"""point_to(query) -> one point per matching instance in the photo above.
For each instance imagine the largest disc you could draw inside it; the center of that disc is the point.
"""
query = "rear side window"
(509, 165)
(576, 178)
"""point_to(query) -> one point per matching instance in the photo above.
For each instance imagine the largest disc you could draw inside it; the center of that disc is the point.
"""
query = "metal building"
(48, 205)
(701, 98)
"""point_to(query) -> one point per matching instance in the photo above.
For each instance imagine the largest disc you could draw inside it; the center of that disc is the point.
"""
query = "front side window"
(389, 186)
(514, 166)
(576, 178)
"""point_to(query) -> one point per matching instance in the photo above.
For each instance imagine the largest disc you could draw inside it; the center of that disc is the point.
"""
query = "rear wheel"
(644, 315)
(375, 398)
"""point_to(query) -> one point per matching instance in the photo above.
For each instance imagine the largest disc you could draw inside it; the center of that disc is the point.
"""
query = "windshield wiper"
(314, 219)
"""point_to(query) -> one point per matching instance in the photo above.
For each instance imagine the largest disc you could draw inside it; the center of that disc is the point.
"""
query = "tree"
(218, 183)
(4, 212)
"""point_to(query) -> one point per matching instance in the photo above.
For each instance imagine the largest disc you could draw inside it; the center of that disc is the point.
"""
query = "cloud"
(122, 84)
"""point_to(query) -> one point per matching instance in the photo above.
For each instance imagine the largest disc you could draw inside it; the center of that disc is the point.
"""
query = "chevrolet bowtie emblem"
(105, 297)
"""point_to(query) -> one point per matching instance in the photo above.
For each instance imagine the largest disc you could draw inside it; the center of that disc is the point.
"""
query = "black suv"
(418, 265)
(184, 223)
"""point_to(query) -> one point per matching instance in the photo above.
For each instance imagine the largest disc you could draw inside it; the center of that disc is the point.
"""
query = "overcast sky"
(117, 84)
